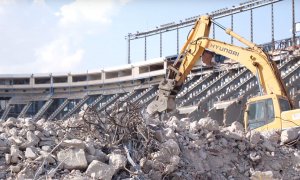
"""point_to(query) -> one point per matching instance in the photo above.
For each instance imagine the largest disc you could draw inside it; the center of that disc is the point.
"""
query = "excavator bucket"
(164, 100)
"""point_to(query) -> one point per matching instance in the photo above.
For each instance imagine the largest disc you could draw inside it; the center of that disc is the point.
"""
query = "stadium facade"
(218, 90)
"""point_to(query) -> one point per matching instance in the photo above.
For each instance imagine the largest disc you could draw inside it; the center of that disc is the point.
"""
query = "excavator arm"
(252, 57)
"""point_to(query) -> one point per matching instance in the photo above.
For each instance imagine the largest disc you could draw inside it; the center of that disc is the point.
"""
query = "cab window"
(260, 113)
(284, 105)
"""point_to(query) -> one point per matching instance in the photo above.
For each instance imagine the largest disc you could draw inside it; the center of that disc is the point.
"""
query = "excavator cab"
(265, 112)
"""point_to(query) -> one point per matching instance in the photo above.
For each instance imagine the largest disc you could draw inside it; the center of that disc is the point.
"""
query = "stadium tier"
(210, 90)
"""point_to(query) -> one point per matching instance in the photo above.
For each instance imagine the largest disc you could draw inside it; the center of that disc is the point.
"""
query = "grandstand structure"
(218, 90)
(207, 91)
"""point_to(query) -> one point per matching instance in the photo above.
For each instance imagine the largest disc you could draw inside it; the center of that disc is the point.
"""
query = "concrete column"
(69, 78)
(103, 76)
(31, 80)
(135, 71)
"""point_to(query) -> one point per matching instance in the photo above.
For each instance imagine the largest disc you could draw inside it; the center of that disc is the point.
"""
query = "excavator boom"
(198, 41)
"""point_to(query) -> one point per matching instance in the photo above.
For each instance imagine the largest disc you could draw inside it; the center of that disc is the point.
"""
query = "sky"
(62, 36)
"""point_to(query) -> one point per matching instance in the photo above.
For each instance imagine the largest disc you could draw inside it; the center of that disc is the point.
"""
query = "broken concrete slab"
(117, 161)
(272, 136)
(208, 124)
(289, 135)
(76, 143)
(100, 170)
(15, 154)
(258, 175)
(32, 139)
(31, 153)
(73, 159)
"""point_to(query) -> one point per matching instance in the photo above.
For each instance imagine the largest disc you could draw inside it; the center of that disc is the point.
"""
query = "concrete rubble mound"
(127, 145)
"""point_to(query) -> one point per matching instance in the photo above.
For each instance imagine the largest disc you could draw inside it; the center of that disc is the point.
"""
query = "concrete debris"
(236, 127)
(101, 155)
(166, 159)
(254, 156)
(100, 170)
(32, 139)
(72, 159)
(73, 143)
(26, 173)
(99, 147)
(90, 148)
(117, 161)
(255, 138)
(15, 169)
(29, 125)
(90, 158)
(272, 136)
(208, 124)
(268, 146)
(258, 175)
(7, 158)
(15, 154)
(30, 153)
(10, 122)
(46, 148)
(289, 135)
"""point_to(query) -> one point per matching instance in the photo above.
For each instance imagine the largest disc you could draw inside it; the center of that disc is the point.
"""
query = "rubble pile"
(124, 145)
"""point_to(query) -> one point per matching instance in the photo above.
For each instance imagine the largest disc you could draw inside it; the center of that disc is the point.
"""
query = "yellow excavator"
(271, 110)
